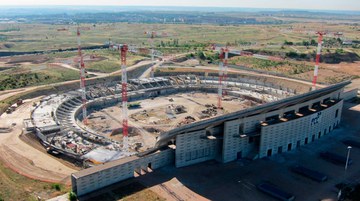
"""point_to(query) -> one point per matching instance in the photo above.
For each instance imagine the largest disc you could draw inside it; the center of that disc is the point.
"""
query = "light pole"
(347, 158)
(346, 166)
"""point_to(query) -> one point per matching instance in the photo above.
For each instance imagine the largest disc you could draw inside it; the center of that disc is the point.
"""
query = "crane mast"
(82, 78)
(123, 51)
(221, 76)
(318, 53)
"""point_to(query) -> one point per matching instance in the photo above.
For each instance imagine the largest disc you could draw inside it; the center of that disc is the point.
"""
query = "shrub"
(72, 196)
(56, 187)
(339, 51)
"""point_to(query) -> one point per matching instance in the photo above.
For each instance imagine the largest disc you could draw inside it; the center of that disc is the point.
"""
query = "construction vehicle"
(134, 105)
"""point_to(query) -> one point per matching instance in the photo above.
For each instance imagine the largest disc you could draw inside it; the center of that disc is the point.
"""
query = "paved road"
(76, 69)
(147, 73)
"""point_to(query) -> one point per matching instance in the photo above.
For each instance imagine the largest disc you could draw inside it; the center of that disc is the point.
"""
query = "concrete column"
(281, 114)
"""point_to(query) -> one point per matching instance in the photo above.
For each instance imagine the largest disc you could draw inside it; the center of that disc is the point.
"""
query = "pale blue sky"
(296, 4)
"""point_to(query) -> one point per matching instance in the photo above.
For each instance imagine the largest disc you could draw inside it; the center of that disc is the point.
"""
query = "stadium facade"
(257, 132)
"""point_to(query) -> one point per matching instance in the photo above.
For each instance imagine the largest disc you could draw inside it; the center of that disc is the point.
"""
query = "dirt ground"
(15, 187)
(158, 114)
(355, 84)
(347, 68)
(23, 59)
(25, 159)
(32, 140)
(326, 75)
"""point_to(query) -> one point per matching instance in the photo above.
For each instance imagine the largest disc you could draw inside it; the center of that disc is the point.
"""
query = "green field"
(284, 67)
(34, 75)
(17, 187)
(29, 37)
(111, 61)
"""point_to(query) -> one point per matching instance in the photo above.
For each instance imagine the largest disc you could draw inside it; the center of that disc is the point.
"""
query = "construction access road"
(23, 158)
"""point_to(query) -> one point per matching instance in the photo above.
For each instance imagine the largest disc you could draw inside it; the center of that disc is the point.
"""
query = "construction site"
(159, 115)
(157, 105)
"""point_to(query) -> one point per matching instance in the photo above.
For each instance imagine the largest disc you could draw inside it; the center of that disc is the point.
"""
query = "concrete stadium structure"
(57, 119)
(284, 123)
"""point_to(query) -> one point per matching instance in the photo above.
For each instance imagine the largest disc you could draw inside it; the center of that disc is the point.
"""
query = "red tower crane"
(123, 51)
(318, 53)
(226, 52)
(82, 78)
(221, 74)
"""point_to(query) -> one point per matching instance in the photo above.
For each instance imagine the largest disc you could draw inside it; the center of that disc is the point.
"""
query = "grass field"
(178, 38)
(29, 37)
(55, 55)
(31, 70)
(14, 187)
(34, 75)
(284, 67)
(111, 61)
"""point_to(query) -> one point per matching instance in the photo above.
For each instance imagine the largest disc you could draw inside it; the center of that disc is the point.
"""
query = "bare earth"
(23, 158)
(158, 115)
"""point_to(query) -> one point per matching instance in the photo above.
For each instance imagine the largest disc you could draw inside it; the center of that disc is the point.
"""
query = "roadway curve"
(25, 159)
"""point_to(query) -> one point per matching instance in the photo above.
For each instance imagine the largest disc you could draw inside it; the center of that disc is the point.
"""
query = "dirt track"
(23, 158)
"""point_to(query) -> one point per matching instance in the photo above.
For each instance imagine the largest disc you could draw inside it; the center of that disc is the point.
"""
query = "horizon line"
(173, 6)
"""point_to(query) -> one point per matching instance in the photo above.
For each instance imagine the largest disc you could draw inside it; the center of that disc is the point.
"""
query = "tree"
(288, 43)
(292, 54)
(201, 55)
(306, 43)
(339, 51)
(313, 42)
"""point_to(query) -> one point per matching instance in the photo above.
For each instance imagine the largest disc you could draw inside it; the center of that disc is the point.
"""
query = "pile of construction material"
(13, 107)
(71, 142)
(210, 111)
(5, 130)
(180, 109)
(187, 120)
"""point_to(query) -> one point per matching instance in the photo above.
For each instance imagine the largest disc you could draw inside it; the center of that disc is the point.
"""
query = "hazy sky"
(297, 4)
